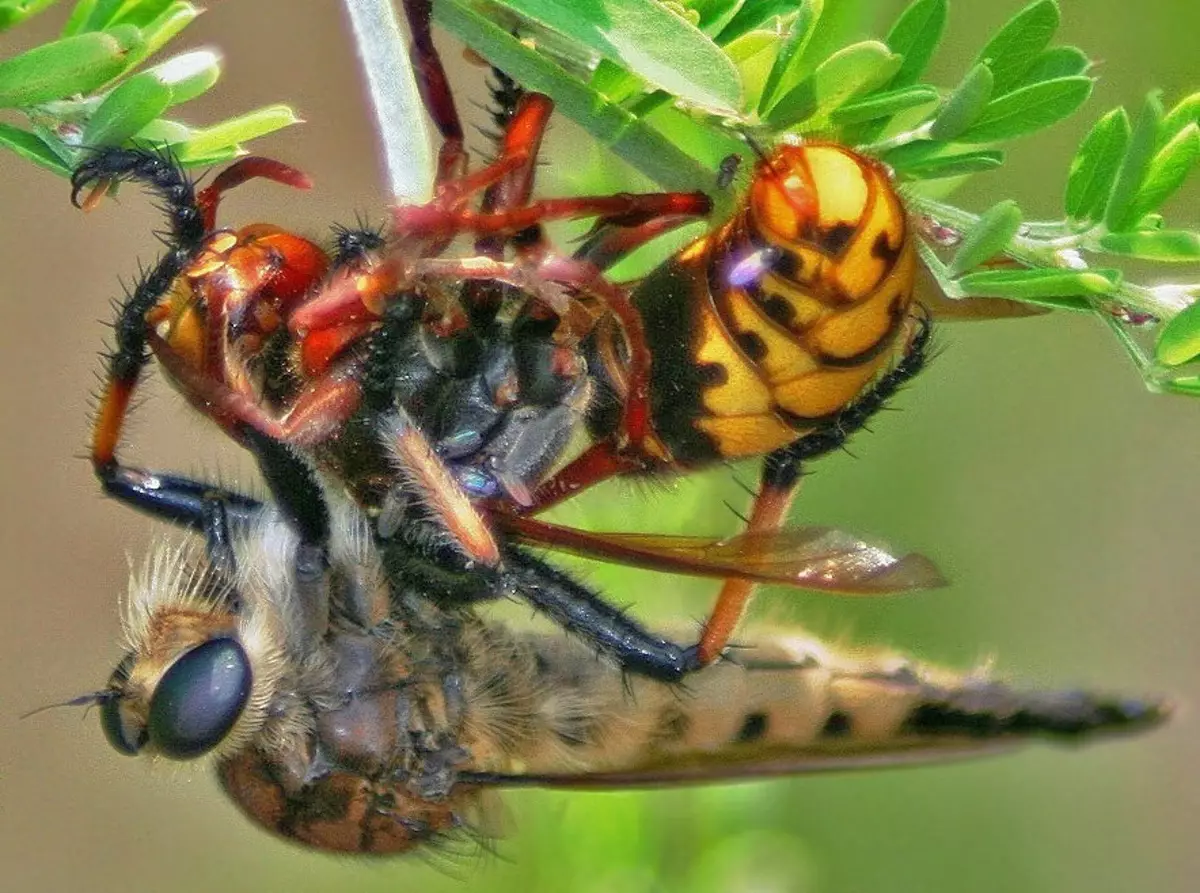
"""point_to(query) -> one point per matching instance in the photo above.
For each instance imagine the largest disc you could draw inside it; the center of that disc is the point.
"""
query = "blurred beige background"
(1029, 460)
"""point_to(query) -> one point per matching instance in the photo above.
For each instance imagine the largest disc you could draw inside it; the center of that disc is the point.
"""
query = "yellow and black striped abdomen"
(766, 327)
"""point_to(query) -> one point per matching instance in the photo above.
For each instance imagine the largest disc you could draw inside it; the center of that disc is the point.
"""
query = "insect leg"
(621, 209)
(129, 355)
(584, 613)
(249, 168)
(781, 475)
(435, 90)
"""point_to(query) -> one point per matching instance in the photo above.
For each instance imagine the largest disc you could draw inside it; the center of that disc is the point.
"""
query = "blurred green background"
(1058, 495)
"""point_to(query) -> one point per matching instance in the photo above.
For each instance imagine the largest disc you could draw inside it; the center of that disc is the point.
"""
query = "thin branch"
(383, 50)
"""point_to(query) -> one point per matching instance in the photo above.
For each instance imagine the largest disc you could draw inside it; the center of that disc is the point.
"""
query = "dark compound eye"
(199, 698)
(123, 730)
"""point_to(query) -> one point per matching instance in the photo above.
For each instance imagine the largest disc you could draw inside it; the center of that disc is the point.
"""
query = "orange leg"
(771, 505)
(781, 477)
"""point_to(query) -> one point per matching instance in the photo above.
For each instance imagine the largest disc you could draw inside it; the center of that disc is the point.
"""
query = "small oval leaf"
(987, 238)
(33, 148)
(189, 74)
(1057, 287)
(1058, 62)
(217, 138)
(1018, 44)
(958, 164)
(964, 106)
(1179, 341)
(787, 69)
(852, 70)
(1095, 166)
(884, 104)
(1120, 213)
(1167, 245)
(126, 110)
(649, 40)
(915, 36)
(1167, 171)
(1028, 109)
(65, 67)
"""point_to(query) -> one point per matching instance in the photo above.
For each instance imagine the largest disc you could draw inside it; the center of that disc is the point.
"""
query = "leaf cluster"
(92, 88)
(675, 87)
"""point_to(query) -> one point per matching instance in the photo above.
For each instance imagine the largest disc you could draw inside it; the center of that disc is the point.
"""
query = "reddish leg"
(623, 209)
(250, 168)
(318, 411)
(435, 91)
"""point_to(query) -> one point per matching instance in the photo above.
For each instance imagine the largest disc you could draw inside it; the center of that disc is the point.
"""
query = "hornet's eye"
(199, 699)
(124, 731)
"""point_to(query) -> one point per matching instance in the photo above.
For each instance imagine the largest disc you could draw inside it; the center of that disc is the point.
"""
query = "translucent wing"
(819, 558)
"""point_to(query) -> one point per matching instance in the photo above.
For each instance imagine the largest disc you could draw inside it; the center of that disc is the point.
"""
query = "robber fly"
(356, 699)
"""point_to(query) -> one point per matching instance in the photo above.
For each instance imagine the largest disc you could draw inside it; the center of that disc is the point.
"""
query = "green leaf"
(649, 40)
(915, 36)
(786, 71)
(165, 26)
(615, 82)
(1120, 213)
(1168, 170)
(165, 132)
(637, 143)
(852, 70)
(219, 137)
(1017, 45)
(989, 237)
(1094, 167)
(1188, 387)
(1179, 341)
(104, 13)
(1050, 287)
(753, 53)
(1185, 112)
(189, 74)
(714, 15)
(13, 12)
(754, 15)
(1058, 62)
(1028, 109)
(1164, 245)
(78, 18)
(964, 106)
(958, 164)
(143, 12)
(126, 110)
(65, 67)
(33, 148)
(885, 104)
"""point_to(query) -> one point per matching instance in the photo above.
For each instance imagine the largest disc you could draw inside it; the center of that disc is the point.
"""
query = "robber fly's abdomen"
(788, 705)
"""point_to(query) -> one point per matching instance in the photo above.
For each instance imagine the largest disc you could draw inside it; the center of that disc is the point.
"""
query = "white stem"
(399, 112)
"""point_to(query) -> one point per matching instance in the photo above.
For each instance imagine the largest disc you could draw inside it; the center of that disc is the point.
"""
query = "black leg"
(584, 613)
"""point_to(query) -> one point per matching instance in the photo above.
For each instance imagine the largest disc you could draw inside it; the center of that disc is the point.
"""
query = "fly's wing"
(725, 767)
(823, 559)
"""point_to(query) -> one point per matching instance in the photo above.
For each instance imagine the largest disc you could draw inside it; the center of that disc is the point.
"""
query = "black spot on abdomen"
(754, 727)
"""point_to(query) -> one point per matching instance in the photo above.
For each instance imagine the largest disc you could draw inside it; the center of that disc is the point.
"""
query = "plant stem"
(399, 113)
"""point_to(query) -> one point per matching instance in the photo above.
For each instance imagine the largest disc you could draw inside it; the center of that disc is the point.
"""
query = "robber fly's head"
(200, 667)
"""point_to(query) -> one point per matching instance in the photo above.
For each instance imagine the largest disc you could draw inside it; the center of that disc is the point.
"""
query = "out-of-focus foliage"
(93, 88)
